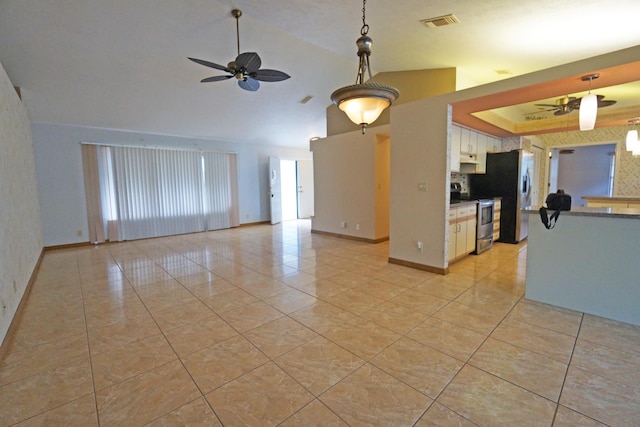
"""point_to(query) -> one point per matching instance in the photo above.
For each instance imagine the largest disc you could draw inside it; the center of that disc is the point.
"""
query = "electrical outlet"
(422, 186)
(357, 226)
(419, 245)
(343, 224)
(78, 233)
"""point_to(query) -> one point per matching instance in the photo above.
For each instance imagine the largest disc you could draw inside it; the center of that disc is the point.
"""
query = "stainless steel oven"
(484, 230)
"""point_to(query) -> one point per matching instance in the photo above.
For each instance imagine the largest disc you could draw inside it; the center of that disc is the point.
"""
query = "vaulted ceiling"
(123, 64)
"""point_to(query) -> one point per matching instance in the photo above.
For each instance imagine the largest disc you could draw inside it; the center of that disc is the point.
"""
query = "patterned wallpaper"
(627, 178)
(20, 229)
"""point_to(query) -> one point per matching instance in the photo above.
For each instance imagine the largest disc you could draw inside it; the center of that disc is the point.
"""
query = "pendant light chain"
(365, 28)
(364, 102)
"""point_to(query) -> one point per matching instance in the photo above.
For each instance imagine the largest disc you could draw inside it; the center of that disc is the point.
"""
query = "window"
(154, 192)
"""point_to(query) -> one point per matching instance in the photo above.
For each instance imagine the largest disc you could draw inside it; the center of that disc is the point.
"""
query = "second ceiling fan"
(567, 104)
(245, 68)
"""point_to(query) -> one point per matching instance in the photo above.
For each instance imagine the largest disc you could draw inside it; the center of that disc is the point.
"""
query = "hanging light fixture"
(364, 102)
(633, 144)
(588, 106)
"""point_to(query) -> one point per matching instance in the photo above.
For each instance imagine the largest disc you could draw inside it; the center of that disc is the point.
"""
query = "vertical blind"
(153, 192)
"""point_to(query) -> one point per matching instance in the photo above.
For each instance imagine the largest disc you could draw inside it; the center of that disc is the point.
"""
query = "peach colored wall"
(382, 183)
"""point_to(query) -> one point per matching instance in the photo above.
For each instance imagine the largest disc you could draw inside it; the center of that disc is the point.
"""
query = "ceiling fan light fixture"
(364, 102)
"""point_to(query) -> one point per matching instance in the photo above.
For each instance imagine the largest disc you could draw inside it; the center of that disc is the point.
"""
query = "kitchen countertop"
(459, 203)
(613, 198)
(614, 212)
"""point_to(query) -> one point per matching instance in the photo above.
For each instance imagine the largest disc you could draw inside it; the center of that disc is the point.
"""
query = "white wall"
(20, 232)
(419, 155)
(61, 182)
(345, 187)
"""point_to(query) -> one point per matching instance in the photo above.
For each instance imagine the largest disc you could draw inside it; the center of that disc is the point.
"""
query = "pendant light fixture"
(364, 102)
(633, 144)
(588, 106)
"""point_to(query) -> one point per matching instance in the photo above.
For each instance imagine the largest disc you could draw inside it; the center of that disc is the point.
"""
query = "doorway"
(295, 189)
(583, 170)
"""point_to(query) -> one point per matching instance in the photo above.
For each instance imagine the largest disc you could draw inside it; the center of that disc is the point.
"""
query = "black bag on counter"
(556, 202)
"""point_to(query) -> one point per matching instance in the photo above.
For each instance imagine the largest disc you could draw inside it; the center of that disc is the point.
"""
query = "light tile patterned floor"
(272, 325)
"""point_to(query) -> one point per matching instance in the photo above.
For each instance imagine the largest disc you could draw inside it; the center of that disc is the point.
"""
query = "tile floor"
(272, 325)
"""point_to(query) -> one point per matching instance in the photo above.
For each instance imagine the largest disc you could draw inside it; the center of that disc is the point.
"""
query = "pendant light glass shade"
(588, 111)
(363, 103)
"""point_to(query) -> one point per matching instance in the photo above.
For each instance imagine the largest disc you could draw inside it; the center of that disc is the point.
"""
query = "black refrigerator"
(509, 176)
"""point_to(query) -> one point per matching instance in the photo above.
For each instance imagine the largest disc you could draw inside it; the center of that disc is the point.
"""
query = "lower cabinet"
(497, 205)
(462, 231)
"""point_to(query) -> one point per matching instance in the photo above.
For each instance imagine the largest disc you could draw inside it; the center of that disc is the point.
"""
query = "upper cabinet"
(494, 145)
(469, 149)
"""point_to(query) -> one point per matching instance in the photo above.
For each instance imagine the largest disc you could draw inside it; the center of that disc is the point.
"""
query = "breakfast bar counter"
(589, 262)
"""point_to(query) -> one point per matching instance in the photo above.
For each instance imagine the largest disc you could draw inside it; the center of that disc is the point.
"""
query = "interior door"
(304, 173)
(275, 191)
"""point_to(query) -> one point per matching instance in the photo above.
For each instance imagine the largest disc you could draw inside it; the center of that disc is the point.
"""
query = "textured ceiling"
(123, 63)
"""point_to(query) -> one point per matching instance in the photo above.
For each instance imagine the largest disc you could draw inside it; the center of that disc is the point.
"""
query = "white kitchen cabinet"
(469, 149)
(455, 148)
(462, 231)
(468, 141)
(494, 145)
(497, 206)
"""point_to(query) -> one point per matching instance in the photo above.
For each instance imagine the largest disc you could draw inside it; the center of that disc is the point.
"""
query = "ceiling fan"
(567, 104)
(245, 68)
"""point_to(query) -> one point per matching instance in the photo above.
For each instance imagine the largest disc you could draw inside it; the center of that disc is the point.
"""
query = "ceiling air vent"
(440, 21)
(305, 99)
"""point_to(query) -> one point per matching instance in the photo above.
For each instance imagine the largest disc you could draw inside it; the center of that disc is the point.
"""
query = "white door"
(274, 190)
(305, 188)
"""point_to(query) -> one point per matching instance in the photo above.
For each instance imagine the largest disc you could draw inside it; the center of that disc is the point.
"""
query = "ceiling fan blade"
(547, 105)
(250, 61)
(606, 103)
(211, 64)
(267, 75)
(601, 102)
(249, 84)
(215, 79)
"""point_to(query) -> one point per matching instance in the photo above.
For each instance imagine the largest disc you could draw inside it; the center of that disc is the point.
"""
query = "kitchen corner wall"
(61, 181)
(627, 178)
(20, 229)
